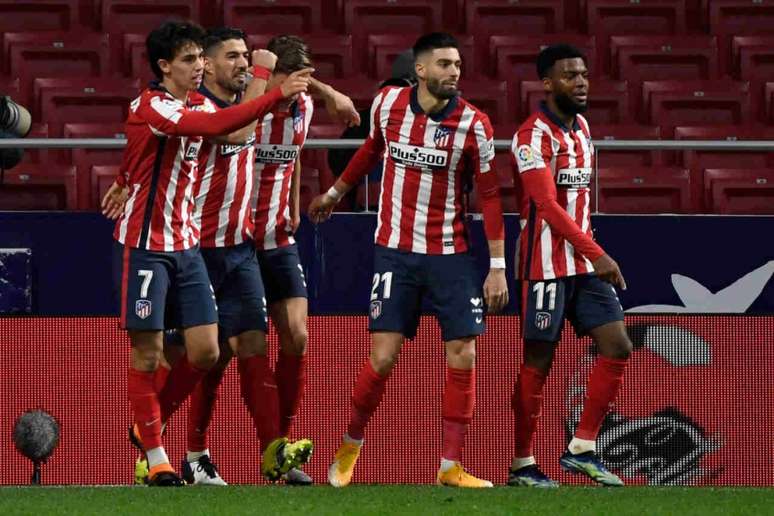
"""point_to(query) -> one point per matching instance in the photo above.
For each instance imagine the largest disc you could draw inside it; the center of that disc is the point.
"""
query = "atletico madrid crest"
(543, 320)
(143, 308)
(442, 136)
(376, 309)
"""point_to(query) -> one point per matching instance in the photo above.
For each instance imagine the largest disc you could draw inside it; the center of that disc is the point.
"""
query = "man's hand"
(265, 59)
(495, 290)
(321, 207)
(341, 109)
(297, 82)
(607, 270)
(114, 200)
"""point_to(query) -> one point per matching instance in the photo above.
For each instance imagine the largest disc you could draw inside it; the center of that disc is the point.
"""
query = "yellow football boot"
(458, 477)
(340, 472)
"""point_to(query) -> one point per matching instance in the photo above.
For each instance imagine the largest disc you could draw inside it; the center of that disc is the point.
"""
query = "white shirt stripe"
(447, 233)
(419, 244)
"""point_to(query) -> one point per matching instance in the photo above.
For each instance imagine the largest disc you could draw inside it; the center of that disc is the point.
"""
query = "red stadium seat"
(637, 58)
(643, 190)
(59, 101)
(364, 17)
(318, 158)
(734, 17)
(740, 191)
(84, 159)
(608, 101)
(55, 54)
(331, 54)
(699, 160)
(626, 158)
(769, 102)
(35, 15)
(384, 48)
(513, 57)
(630, 17)
(485, 18)
(100, 179)
(672, 103)
(753, 57)
(491, 97)
(10, 87)
(272, 17)
(361, 90)
(35, 156)
(134, 58)
(39, 187)
(141, 16)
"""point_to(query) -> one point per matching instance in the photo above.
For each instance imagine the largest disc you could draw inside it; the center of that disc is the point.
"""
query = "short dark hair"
(218, 35)
(429, 42)
(292, 53)
(553, 53)
(165, 41)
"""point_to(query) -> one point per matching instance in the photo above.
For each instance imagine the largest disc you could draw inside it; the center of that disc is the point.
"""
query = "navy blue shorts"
(282, 273)
(585, 300)
(450, 283)
(161, 290)
(236, 279)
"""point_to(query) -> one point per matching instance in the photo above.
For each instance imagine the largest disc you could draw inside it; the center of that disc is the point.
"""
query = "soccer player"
(433, 142)
(162, 277)
(563, 272)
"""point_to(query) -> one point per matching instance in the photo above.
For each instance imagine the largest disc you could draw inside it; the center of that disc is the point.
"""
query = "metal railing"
(119, 143)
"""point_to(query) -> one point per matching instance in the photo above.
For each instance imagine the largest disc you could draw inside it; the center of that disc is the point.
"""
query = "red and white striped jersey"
(279, 137)
(162, 170)
(428, 159)
(224, 193)
(543, 144)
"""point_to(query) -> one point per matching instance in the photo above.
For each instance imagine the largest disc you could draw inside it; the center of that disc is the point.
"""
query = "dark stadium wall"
(694, 409)
(672, 264)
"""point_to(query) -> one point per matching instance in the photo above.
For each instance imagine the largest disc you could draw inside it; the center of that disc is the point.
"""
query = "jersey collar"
(555, 119)
(436, 117)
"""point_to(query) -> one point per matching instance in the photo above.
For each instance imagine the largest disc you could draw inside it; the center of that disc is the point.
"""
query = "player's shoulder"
(583, 123)
(477, 114)
(197, 101)
(393, 91)
(535, 121)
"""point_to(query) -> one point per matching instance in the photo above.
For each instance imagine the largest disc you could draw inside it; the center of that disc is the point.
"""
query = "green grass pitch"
(381, 499)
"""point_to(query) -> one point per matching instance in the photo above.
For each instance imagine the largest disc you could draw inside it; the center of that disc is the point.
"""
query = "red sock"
(145, 405)
(259, 392)
(459, 401)
(160, 378)
(366, 396)
(527, 401)
(290, 372)
(604, 383)
(203, 401)
(180, 383)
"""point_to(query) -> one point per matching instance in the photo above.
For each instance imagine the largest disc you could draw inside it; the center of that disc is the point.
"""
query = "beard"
(439, 91)
(569, 106)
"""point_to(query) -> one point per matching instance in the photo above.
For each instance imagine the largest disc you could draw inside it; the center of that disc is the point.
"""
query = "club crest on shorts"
(143, 308)
(543, 320)
(376, 309)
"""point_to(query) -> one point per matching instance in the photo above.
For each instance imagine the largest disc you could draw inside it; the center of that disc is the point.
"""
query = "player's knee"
(297, 343)
(622, 348)
(464, 358)
(205, 357)
(383, 362)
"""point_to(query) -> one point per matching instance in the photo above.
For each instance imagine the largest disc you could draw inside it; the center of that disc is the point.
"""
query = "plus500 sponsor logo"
(419, 157)
(276, 153)
(231, 149)
(573, 177)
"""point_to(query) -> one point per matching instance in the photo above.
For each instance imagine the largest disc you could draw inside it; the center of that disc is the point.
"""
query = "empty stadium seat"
(133, 58)
(84, 159)
(623, 158)
(734, 17)
(361, 90)
(10, 87)
(672, 103)
(35, 156)
(753, 57)
(512, 58)
(769, 102)
(486, 17)
(491, 97)
(608, 101)
(699, 160)
(643, 190)
(101, 177)
(635, 17)
(141, 16)
(35, 15)
(55, 54)
(58, 101)
(364, 17)
(384, 48)
(331, 54)
(39, 187)
(653, 58)
(272, 17)
(740, 191)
